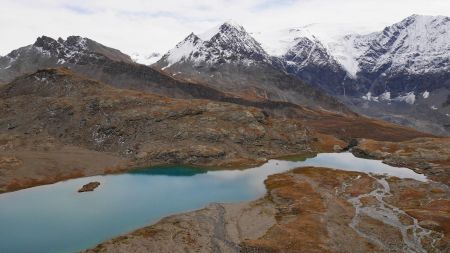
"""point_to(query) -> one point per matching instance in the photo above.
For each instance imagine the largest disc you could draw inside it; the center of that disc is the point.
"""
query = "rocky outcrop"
(429, 156)
(89, 187)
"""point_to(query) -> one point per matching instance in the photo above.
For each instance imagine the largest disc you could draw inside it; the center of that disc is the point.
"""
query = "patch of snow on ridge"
(210, 33)
(369, 97)
(386, 96)
(183, 49)
(426, 94)
(146, 59)
(409, 98)
(346, 53)
(433, 107)
(278, 43)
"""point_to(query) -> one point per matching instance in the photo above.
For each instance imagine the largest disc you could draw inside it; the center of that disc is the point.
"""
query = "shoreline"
(229, 165)
(297, 197)
(364, 148)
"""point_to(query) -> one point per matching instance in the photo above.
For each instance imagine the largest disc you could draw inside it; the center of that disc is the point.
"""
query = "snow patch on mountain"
(146, 59)
(277, 43)
(346, 51)
(386, 96)
(425, 94)
(409, 98)
(185, 49)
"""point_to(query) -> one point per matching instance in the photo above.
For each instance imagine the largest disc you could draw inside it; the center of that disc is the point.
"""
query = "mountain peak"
(45, 42)
(231, 24)
(226, 43)
(421, 21)
(226, 27)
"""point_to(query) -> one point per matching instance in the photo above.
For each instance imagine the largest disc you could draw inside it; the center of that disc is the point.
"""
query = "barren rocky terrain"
(55, 125)
(429, 156)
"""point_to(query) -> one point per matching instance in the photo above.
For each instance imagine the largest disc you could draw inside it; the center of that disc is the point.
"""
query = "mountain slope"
(401, 74)
(405, 70)
(52, 118)
(410, 56)
(303, 55)
(55, 125)
(99, 62)
(229, 59)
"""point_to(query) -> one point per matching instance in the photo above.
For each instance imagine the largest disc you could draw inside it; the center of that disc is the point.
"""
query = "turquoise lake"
(57, 219)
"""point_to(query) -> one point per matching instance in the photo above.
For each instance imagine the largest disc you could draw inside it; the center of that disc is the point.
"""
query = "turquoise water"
(57, 219)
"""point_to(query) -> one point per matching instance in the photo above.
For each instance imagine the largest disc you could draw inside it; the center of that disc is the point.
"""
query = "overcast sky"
(147, 26)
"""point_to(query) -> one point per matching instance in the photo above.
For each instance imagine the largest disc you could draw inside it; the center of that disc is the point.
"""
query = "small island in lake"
(89, 187)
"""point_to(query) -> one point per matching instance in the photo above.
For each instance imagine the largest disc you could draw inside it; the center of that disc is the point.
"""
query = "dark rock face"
(89, 187)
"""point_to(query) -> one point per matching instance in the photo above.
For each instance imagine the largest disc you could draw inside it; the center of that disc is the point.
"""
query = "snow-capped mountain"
(47, 52)
(412, 55)
(404, 71)
(383, 74)
(416, 45)
(227, 43)
(229, 59)
(302, 54)
(409, 57)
